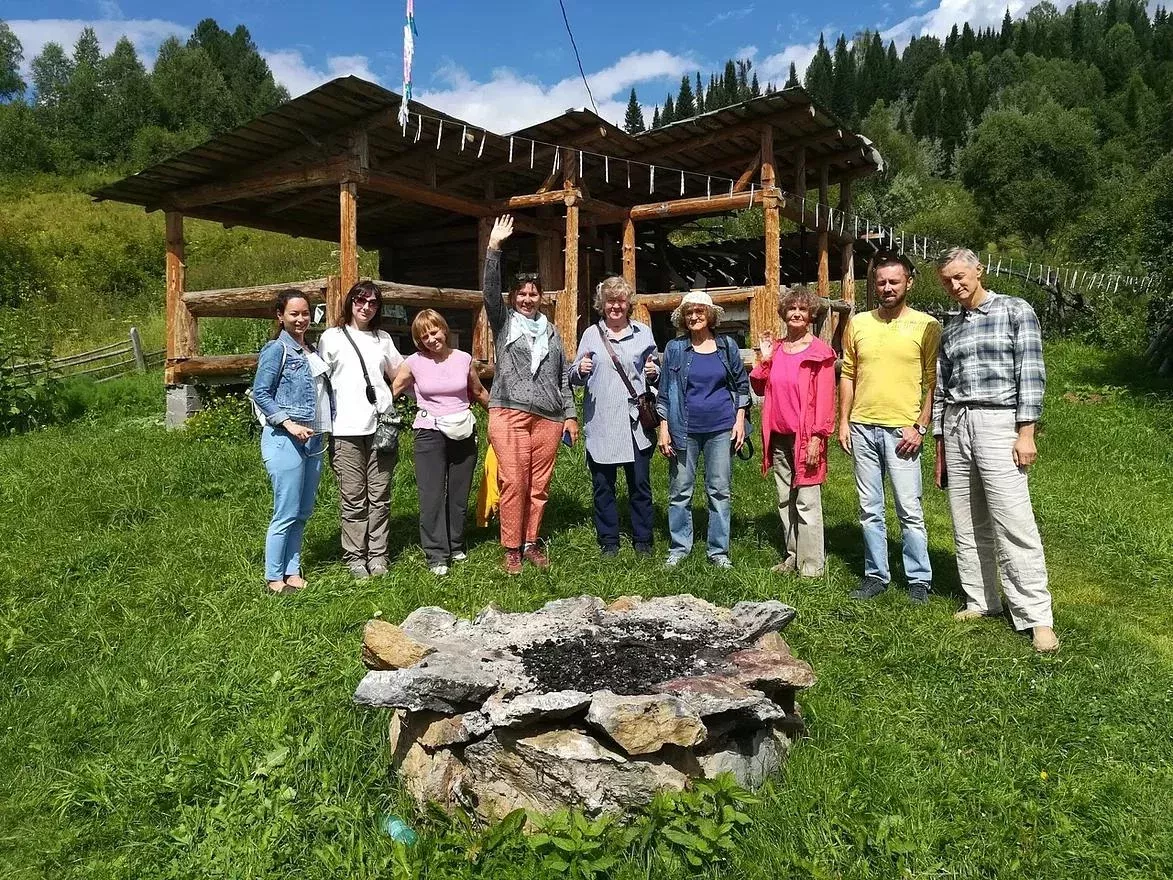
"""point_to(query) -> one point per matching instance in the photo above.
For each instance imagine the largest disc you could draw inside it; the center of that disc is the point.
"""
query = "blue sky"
(507, 63)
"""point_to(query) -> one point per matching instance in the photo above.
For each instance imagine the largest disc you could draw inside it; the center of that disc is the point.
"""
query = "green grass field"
(160, 716)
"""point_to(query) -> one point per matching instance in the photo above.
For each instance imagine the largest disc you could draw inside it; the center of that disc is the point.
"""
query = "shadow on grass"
(846, 542)
(1122, 369)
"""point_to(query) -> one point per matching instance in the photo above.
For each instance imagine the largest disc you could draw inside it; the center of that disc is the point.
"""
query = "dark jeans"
(443, 474)
(639, 495)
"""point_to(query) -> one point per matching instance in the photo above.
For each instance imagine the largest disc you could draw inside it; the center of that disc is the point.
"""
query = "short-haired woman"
(530, 404)
(291, 390)
(363, 360)
(795, 376)
(703, 398)
(445, 436)
(614, 436)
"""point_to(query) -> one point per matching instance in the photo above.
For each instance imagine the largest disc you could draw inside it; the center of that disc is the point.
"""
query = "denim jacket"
(674, 379)
(287, 393)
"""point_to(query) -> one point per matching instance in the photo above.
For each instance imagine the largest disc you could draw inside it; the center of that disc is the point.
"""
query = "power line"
(574, 46)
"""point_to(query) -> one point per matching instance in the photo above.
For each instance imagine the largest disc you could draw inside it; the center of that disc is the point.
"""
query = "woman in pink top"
(796, 378)
(445, 437)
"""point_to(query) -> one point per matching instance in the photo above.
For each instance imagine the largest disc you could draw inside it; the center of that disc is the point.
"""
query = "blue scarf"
(537, 331)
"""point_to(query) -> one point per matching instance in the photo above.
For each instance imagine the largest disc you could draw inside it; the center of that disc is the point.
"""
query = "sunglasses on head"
(525, 278)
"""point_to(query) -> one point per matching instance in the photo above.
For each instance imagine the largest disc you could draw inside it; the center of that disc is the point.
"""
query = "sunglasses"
(525, 277)
(365, 301)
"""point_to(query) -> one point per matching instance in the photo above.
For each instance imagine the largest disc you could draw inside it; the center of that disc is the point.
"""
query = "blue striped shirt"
(610, 419)
(991, 355)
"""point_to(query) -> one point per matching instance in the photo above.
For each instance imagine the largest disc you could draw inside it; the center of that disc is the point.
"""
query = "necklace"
(796, 346)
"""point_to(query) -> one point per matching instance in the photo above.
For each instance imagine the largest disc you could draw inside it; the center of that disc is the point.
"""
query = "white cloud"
(508, 101)
(750, 52)
(776, 67)
(292, 70)
(730, 15)
(146, 34)
(110, 9)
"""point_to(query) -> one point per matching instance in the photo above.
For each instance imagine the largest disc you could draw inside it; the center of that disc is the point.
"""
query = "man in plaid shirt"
(989, 396)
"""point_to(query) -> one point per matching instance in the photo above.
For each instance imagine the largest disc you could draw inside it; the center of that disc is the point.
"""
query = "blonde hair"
(615, 287)
(425, 320)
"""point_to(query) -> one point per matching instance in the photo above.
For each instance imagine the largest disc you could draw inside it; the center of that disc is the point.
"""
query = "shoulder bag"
(645, 404)
(387, 424)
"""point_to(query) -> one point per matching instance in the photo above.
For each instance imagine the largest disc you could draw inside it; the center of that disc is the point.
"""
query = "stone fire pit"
(584, 704)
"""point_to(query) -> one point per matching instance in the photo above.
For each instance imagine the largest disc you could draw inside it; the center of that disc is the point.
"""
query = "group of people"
(976, 384)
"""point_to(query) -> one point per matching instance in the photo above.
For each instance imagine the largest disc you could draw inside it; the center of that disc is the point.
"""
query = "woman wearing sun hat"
(703, 398)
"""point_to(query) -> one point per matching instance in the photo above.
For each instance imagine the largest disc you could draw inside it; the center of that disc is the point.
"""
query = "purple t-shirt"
(706, 395)
(440, 389)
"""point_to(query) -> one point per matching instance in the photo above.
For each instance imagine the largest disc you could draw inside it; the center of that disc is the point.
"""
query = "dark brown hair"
(279, 304)
(363, 288)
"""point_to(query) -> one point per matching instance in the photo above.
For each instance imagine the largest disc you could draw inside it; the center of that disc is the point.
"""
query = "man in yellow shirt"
(885, 404)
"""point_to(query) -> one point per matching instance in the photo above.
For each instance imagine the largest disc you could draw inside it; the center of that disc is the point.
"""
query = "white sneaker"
(439, 570)
(673, 560)
(460, 556)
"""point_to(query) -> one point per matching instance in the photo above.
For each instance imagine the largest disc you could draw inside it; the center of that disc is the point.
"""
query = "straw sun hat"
(697, 298)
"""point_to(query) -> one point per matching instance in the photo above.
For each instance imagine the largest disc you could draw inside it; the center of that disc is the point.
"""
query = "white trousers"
(993, 521)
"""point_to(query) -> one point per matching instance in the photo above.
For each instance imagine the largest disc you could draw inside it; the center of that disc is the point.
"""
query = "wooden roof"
(315, 128)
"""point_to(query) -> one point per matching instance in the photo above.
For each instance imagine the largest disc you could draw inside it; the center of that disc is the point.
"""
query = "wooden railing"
(99, 364)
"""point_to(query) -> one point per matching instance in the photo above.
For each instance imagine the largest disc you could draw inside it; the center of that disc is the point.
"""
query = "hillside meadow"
(164, 717)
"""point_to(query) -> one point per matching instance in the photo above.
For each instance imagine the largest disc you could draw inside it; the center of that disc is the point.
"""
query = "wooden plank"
(348, 235)
(725, 133)
(331, 171)
(249, 302)
(534, 200)
(296, 200)
(182, 330)
(666, 302)
(693, 207)
(393, 185)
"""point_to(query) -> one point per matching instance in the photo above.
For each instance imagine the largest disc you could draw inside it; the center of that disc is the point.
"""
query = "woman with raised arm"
(445, 383)
(614, 364)
(530, 404)
(703, 398)
(795, 376)
(363, 360)
(291, 391)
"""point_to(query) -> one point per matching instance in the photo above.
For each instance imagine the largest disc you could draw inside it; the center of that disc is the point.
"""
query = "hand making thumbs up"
(586, 364)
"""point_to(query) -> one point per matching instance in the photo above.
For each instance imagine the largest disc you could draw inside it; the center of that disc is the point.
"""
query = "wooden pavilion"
(334, 164)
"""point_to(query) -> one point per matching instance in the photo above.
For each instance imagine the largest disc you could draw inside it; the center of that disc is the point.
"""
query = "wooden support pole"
(640, 313)
(348, 236)
(566, 308)
(695, 207)
(848, 253)
(824, 281)
(136, 348)
(763, 309)
(182, 329)
(335, 296)
(482, 333)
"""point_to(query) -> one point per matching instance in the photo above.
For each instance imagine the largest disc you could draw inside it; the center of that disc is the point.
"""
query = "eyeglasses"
(370, 301)
(525, 277)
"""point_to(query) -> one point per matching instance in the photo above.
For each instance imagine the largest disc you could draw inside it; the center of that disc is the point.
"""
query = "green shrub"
(226, 416)
(29, 396)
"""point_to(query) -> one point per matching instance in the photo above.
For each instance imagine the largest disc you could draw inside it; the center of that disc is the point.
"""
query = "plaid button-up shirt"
(991, 355)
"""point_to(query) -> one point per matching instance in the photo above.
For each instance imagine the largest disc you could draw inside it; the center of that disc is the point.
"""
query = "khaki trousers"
(993, 520)
(364, 492)
(800, 508)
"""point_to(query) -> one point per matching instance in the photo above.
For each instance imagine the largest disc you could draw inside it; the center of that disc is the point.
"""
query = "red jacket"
(816, 372)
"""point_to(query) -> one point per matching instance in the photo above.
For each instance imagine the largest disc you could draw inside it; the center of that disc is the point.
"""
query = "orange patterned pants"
(526, 446)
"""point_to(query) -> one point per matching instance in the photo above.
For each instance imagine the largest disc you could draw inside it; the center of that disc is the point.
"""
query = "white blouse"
(354, 416)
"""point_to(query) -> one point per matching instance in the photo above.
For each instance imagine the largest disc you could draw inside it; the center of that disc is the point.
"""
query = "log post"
(182, 329)
(566, 308)
(348, 236)
(824, 282)
(482, 334)
(640, 313)
(763, 309)
(335, 296)
(136, 349)
(848, 258)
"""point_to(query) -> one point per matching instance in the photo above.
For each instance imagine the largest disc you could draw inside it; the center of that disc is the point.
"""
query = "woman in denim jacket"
(291, 390)
(703, 398)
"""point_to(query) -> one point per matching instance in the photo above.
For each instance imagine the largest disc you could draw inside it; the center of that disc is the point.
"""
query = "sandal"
(280, 588)
(294, 586)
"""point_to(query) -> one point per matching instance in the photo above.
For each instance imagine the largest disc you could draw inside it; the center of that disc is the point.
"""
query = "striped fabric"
(610, 419)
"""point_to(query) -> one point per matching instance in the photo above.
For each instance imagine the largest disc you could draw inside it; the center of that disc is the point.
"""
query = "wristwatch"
(920, 429)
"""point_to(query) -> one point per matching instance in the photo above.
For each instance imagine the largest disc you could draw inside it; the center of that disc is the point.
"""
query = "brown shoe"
(1045, 640)
(512, 562)
(536, 557)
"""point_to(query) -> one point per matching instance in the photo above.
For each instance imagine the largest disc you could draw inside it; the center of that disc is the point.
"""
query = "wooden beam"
(752, 126)
(295, 200)
(332, 171)
(763, 310)
(409, 190)
(766, 157)
(182, 329)
(847, 260)
(348, 235)
(824, 277)
(180, 370)
(533, 200)
(742, 182)
(248, 302)
(693, 207)
(666, 302)
(800, 173)
(482, 333)
(566, 308)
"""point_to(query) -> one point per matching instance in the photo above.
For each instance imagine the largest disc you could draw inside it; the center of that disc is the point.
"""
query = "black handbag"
(387, 424)
(645, 404)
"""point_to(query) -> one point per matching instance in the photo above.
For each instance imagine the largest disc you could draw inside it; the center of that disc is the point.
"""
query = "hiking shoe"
(439, 570)
(377, 566)
(785, 567)
(512, 562)
(643, 549)
(460, 556)
(358, 570)
(673, 560)
(1045, 640)
(918, 593)
(869, 588)
(535, 557)
(721, 561)
(609, 552)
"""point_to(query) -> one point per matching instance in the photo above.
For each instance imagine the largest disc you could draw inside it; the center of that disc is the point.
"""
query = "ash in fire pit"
(584, 704)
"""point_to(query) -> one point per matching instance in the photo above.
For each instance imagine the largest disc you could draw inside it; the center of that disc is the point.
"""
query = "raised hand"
(766, 346)
(502, 229)
(651, 368)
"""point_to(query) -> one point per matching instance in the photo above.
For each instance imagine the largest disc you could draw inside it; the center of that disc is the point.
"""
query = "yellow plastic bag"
(489, 495)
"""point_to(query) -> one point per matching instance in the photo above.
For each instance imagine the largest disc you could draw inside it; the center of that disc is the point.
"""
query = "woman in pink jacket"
(795, 376)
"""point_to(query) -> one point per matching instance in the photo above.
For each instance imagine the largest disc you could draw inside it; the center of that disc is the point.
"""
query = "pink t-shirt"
(441, 389)
(785, 393)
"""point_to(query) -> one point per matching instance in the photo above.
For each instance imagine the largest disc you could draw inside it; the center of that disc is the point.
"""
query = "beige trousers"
(801, 510)
(993, 521)
(364, 493)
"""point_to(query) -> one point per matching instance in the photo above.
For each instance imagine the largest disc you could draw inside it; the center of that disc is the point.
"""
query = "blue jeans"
(294, 470)
(873, 449)
(714, 446)
(639, 497)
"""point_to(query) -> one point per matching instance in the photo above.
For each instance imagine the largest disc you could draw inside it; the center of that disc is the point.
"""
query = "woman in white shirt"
(363, 473)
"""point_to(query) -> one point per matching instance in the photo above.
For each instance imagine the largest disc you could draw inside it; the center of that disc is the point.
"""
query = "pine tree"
(819, 81)
(951, 42)
(129, 105)
(685, 102)
(843, 82)
(668, 114)
(656, 121)
(792, 79)
(633, 120)
(730, 82)
(743, 67)
(968, 42)
(87, 50)
(893, 72)
(700, 95)
(755, 90)
(871, 77)
(1006, 37)
(1077, 31)
(11, 54)
(715, 96)
(244, 71)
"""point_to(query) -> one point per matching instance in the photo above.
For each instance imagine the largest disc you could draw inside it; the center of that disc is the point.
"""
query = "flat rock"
(710, 694)
(644, 724)
(753, 619)
(504, 711)
(387, 646)
(773, 641)
(431, 777)
(751, 758)
(766, 670)
(624, 603)
(435, 624)
(445, 683)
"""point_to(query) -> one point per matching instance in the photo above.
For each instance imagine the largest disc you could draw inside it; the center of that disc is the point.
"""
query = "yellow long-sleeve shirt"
(892, 365)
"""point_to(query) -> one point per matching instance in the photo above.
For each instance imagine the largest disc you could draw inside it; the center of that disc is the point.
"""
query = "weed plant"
(162, 717)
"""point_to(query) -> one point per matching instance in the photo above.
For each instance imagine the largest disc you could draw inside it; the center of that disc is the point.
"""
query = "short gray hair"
(615, 287)
(963, 254)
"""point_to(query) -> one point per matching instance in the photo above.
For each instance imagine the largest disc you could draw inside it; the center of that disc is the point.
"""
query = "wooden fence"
(100, 364)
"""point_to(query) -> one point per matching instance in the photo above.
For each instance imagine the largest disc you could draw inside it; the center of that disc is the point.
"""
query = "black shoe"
(610, 552)
(643, 549)
(918, 593)
(869, 588)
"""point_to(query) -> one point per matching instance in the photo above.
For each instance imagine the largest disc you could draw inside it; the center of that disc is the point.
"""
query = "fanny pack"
(455, 426)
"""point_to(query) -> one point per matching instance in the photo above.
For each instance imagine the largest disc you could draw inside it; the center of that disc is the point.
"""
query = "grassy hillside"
(163, 717)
